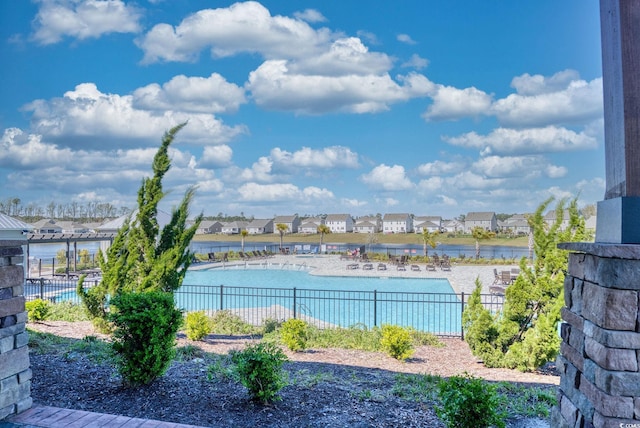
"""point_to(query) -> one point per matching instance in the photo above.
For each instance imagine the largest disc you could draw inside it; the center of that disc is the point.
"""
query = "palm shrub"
(145, 334)
(197, 325)
(259, 368)
(295, 333)
(396, 341)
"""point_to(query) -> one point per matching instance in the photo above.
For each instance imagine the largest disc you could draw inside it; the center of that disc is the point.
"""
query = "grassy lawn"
(363, 238)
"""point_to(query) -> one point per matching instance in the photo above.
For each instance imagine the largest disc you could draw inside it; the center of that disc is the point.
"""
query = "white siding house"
(397, 223)
(431, 223)
(233, 227)
(368, 224)
(310, 225)
(260, 226)
(485, 220)
(292, 222)
(339, 223)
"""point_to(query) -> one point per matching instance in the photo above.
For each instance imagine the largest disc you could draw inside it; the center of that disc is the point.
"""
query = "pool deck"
(461, 277)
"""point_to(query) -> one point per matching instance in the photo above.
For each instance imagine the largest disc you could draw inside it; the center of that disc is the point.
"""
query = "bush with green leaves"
(396, 341)
(469, 402)
(197, 325)
(226, 322)
(294, 334)
(145, 334)
(259, 368)
(38, 309)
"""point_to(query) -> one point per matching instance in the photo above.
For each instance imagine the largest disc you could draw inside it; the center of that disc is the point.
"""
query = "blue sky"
(425, 107)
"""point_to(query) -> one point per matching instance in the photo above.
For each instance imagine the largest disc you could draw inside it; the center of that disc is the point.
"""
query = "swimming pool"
(326, 301)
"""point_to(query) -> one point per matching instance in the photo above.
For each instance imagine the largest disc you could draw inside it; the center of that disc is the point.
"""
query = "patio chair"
(430, 267)
(367, 266)
(382, 266)
(415, 268)
(506, 277)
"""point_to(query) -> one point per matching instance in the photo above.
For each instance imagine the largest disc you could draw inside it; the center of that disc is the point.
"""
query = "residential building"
(260, 226)
(550, 219)
(233, 227)
(292, 222)
(452, 226)
(397, 223)
(310, 225)
(486, 220)
(208, 227)
(46, 226)
(339, 223)
(368, 224)
(516, 224)
(431, 223)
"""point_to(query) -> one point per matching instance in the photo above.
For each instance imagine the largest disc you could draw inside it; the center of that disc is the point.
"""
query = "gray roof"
(395, 217)
(479, 216)
(10, 223)
(337, 217)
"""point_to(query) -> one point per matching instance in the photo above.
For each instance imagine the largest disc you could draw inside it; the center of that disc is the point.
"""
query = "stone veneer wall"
(15, 374)
(600, 350)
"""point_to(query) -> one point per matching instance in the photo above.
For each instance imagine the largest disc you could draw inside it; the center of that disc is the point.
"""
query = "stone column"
(15, 374)
(599, 360)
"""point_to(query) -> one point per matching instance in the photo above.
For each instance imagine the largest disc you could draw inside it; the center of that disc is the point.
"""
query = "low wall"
(15, 374)
(600, 350)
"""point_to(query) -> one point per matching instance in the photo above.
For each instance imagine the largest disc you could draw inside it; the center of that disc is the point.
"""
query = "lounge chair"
(496, 278)
(353, 266)
(506, 277)
(401, 267)
(415, 268)
(382, 266)
(431, 267)
(445, 265)
(367, 266)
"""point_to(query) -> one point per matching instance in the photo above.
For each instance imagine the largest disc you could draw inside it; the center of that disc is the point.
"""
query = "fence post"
(375, 308)
(461, 312)
(294, 303)
(221, 296)
(42, 288)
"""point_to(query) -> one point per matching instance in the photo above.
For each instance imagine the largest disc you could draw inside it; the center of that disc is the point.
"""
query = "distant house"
(368, 224)
(339, 223)
(12, 228)
(310, 225)
(485, 220)
(233, 227)
(162, 217)
(46, 226)
(292, 222)
(516, 224)
(431, 223)
(260, 226)
(208, 227)
(452, 226)
(550, 219)
(397, 223)
(72, 227)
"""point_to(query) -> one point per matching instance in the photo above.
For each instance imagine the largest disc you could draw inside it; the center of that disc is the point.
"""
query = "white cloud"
(387, 178)
(86, 114)
(470, 180)
(274, 87)
(554, 171)
(242, 27)
(534, 140)
(211, 94)
(255, 192)
(310, 15)
(216, 156)
(416, 62)
(259, 171)
(405, 38)
(439, 167)
(353, 203)
(326, 158)
(83, 19)
(557, 100)
(451, 103)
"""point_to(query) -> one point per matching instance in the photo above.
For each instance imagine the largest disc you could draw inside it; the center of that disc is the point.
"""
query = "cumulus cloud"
(353, 203)
(517, 166)
(310, 15)
(242, 27)
(539, 101)
(405, 38)
(451, 103)
(274, 87)
(416, 62)
(216, 156)
(255, 192)
(534, 140)
(83, 19)
(211, 94)
(439, 167)
(387, 178)
(86, 115)
(326, 158)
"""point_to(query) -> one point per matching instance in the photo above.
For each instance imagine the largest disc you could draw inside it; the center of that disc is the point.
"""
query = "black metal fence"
(437, 313)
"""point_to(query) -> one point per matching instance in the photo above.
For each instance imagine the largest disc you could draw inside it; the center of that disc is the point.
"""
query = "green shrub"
(396, 341)
(67, 311)
(468, 402)
(38, 309)
(294, 334)
(259, 368)
(226, 322)
(197, 325)
(270, 325)
(145, 333)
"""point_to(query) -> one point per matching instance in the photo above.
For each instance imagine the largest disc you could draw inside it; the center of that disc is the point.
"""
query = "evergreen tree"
(142, 257)
(525, 334)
